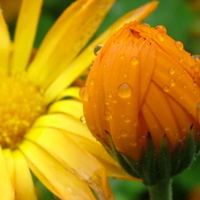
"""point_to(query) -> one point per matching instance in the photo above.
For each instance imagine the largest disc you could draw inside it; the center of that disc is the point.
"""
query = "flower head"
(143, 100)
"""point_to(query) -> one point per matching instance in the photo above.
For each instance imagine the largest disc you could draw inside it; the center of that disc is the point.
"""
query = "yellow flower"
(144, 95)
(40, 128)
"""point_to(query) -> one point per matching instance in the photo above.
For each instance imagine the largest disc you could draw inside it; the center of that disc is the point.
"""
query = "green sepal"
(164, 161)
(135, 166)
(111, 149)
(188, 153)
(148, 164)
(176, 159)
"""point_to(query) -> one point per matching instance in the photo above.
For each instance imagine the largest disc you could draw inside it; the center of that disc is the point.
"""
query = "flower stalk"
(161, 190)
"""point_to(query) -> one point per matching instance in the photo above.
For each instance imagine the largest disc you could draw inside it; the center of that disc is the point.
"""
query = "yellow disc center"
(21, 103)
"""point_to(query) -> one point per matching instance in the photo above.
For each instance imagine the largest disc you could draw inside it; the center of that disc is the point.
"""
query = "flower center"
(21, 103)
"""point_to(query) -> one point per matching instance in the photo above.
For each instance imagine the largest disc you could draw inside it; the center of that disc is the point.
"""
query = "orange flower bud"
(143, 87)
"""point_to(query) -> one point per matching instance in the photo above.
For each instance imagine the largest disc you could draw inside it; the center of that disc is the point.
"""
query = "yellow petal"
(66, 39)
(6, 188)
(73, 158)
(96, 149)
(83, 137)
(25, 33)
(70, 107)
(61, 121)
(85, 58)
(5, 45)
(52, 174)
(23, 180)
(69, 92)
(10, 164)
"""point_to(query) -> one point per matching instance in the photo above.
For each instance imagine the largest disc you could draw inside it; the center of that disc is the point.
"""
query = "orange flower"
(143, 93)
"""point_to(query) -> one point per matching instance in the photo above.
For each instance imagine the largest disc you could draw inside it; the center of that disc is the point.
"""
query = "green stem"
(161, 191)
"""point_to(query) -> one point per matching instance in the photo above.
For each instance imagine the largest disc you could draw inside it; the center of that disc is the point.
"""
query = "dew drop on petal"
(166, 128)
(106, 101)
(133, 144)
(84, 93)
(91, 82)
(184, 85)
(135, 123)
(160, 37)
(97, 48)
(166, 88)
(122, 57)
(172, 82)
(161, 29)
(124, 90)
(171, 70)
(196, 57)
(145, 24)
(107, 115)
(123, 133)
(134, 60)
(179, 45)
(181, 96)
(82, 119)
(180, 59)
(127, 119)
(114, 100)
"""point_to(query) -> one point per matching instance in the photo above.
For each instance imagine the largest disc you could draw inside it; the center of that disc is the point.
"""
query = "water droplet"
(161, 29)
(196, 58)
(97, 48)
(172, 82)
(135, 123)
(145, 24)
(94, 105)
(171, 70)
(166, 88)
(124, 90)
(122, 57)
(184, 129)
(133, 144)
(82, 119)
(125, 75)
(181, 59)
(106, 101)
(184, 85)
(166, 128)
(84, 93)
(179, 45)
(198, 111)
(91, 82)
(134, 60)
(181, 96)
(107, 115)
(69, 189)
(160, 37)
(123, 133)
(114, 100)
(127, 119)
(109, 94)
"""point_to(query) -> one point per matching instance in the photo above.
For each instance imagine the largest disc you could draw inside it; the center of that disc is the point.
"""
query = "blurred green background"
(182, 20)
